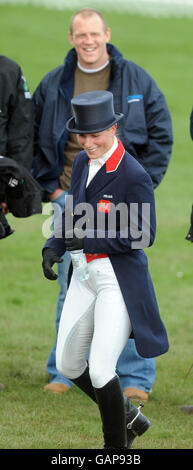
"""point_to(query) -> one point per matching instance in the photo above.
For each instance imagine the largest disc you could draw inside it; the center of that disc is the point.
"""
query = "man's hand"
(56, 194)
(49, 258)
(4, 207)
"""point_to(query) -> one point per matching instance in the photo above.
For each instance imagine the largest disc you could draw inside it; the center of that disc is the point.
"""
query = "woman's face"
(98, 143)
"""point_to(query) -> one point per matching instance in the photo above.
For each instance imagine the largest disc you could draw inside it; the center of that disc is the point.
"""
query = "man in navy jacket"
(145, 132)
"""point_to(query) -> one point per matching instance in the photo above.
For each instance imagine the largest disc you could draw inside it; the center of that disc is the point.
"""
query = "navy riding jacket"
(121, 180)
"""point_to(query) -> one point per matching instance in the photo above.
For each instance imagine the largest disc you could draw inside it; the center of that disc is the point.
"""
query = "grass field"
(29, 417)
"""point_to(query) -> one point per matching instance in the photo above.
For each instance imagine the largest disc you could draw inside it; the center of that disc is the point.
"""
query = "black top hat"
(93, 111)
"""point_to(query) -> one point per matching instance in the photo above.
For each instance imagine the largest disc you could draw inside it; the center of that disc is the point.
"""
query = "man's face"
(89, 39)
(97, 144)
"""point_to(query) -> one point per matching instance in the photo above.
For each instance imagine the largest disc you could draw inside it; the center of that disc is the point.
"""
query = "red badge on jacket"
(104, 206)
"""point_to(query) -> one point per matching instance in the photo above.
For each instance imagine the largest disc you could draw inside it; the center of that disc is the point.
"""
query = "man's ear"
(108, 34)
(70, 37)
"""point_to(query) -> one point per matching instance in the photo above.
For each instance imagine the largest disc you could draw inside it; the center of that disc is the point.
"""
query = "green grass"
(29, 417)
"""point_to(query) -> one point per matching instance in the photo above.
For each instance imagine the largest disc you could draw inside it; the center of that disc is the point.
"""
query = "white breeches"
(94, 316)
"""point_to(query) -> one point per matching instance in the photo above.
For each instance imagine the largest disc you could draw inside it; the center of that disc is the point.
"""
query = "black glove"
(49, 258)
(5, 229)
(74, 243)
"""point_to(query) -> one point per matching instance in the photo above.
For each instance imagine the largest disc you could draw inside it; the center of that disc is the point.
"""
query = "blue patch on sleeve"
(132, 98)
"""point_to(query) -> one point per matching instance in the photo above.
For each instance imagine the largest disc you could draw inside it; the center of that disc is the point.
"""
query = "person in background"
(189, 235)
(16, 121)
(189, 408)
(16, 114)
(191, 124)
(146, 132)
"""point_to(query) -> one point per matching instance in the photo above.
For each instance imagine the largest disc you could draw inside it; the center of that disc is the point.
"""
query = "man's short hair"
(86, 13)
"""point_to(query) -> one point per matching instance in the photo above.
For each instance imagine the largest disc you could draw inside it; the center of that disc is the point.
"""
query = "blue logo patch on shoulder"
(134, 98)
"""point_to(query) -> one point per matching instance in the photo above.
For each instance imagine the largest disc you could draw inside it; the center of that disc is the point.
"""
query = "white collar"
(92, 70)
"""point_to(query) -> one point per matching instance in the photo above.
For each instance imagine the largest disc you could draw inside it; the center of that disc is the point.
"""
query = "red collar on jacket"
(114, 160)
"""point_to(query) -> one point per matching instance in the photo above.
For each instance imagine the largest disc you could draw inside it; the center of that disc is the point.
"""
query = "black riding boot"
(136, 422)
(85, 384)
(112, 409)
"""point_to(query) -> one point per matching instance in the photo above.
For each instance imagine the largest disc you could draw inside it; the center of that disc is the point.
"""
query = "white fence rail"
(142, 7)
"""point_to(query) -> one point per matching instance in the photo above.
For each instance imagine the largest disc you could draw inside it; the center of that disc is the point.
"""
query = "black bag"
(18, 189)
